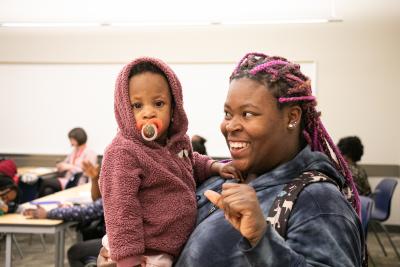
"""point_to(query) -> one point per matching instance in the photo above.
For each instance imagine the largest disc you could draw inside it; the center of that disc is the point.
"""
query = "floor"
(35, 255)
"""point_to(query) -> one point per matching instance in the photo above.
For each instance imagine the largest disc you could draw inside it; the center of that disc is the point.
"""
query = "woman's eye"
(227, 115)
(159, 104)
(248, 114)
(136, 105)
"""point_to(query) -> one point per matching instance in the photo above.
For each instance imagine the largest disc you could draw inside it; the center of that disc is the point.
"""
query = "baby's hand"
(228, 171)
(91, 170)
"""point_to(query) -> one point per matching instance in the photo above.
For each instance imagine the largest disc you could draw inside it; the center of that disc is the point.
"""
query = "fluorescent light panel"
(49, 24)
(130, 13)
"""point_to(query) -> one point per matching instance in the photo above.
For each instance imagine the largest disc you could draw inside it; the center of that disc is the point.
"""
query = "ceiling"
(205, 12)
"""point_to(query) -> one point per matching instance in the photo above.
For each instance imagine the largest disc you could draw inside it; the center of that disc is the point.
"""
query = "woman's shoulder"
(323, 199)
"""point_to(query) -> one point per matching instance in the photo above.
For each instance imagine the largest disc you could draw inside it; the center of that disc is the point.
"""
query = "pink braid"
(344, 168)
(267, 65)
(295, 78)
(316, 145)
(245, 57)
(299, 98)
(307, 137)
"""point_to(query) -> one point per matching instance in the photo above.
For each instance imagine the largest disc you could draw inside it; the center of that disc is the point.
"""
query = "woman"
(72, 165)
(274, 135)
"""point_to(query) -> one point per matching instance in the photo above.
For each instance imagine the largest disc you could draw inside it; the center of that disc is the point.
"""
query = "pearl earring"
(292, 125)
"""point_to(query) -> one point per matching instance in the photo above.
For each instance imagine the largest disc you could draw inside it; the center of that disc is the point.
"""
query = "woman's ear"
(294, 114)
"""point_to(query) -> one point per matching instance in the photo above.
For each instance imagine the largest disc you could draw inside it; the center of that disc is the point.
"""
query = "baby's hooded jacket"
(149, 189)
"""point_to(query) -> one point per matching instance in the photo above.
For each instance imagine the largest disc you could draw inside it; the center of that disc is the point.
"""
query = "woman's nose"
(233, 125)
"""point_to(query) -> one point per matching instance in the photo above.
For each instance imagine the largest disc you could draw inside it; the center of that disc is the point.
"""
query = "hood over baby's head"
(122, 105)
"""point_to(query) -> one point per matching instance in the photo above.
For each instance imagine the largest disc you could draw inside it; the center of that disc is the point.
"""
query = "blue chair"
(382, 197)
(366, 209)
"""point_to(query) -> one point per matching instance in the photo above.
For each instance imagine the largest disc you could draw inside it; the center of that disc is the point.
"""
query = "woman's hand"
(104, 260)
(38, 213)
(242, 209)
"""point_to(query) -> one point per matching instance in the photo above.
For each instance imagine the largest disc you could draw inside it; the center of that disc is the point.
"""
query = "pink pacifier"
(149, 129)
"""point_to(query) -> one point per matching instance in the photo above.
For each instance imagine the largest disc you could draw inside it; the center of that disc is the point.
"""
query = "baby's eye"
(136, 105)
(160, 104)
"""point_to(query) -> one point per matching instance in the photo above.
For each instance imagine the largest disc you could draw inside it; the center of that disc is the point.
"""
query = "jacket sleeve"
(82, 214)
(201, 167)
(119, 185)
(322, 238)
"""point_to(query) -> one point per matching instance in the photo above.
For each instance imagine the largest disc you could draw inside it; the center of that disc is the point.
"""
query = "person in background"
(9, 192)
(9, 195)
(352, 150)
(275, 136)
(199, 144)
(87, 250)
(71, 167)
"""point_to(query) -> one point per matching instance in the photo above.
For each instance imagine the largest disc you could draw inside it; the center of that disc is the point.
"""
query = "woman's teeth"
(238, 145)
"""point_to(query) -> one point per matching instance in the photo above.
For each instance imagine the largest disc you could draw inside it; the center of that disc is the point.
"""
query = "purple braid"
(245, 57)
(345, 168)
(267, 65)
(298, 98)
(289, 85)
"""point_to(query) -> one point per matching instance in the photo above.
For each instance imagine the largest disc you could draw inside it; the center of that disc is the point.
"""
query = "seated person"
(198, 144)
(8, 195)
(71, 166)
(81, 251)
(352, 150)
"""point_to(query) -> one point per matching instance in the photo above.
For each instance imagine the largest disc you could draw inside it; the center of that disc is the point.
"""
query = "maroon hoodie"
(148, 189)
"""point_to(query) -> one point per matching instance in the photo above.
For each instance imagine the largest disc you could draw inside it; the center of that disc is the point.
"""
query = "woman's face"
(73, 142)
(8, 195)
(255, 129)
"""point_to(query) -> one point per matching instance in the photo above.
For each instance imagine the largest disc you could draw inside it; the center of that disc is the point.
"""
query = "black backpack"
(279, 213)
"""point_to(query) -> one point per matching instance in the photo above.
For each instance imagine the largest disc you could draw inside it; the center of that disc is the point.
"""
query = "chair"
(74, 180)
(382, 197)
(366, 209)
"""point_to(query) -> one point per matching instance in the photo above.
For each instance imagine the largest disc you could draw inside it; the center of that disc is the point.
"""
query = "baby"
(149, 172)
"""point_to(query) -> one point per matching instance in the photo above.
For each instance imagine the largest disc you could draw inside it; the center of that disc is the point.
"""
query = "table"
(36, 170)
(78, 195)
(16, 223)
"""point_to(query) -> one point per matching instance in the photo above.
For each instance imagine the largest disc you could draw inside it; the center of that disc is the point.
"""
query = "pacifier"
(149, 129)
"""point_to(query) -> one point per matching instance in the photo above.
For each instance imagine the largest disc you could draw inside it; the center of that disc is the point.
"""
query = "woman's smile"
(237, 148)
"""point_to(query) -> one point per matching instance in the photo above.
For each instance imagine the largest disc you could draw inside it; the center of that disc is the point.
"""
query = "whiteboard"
(40, 103)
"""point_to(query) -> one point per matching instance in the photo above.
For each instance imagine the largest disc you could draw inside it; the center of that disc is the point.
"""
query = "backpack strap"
(279, 213)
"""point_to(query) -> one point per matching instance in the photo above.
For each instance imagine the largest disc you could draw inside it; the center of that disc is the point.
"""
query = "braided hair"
(291, 87)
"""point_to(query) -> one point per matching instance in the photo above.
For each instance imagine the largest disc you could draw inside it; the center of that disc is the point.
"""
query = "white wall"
(357, 65)
(54, 98)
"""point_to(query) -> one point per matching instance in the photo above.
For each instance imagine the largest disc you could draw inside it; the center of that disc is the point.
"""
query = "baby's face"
(151, 98)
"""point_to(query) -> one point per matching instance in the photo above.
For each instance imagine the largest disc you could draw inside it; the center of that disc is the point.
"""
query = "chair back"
(73, 181)
(382, 196)
(366, 208)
